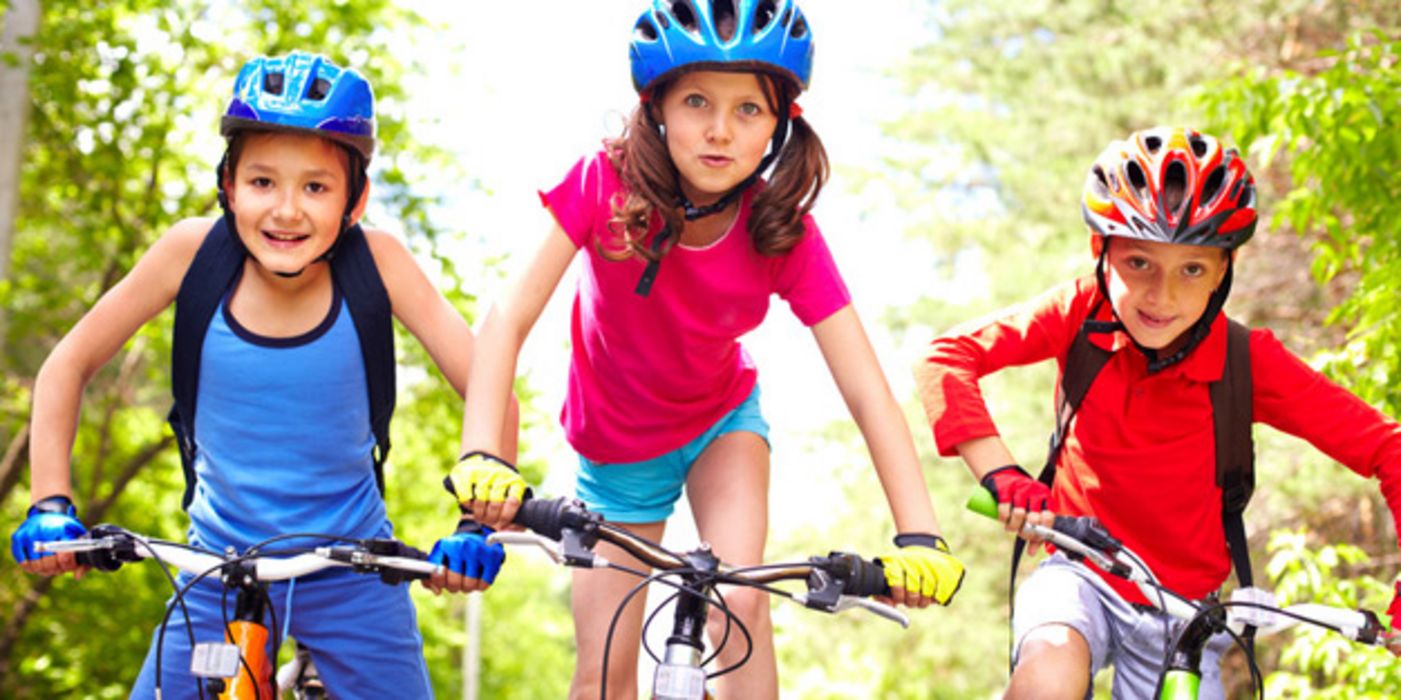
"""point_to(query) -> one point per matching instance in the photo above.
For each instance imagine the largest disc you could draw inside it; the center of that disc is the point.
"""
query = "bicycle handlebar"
(107, 547)
(567, 531)
(1085, 537)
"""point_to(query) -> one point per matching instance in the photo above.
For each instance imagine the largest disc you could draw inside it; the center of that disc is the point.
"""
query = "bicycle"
(567, 531)
(1083, 537)
(238, 668)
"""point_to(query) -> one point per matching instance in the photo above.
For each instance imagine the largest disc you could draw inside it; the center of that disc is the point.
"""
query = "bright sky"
(535, 86)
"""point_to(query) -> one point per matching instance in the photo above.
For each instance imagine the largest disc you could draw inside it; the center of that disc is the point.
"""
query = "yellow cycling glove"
(924, 564)
(484, 477)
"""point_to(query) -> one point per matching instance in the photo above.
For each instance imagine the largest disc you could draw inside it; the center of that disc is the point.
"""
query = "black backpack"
(215, 267)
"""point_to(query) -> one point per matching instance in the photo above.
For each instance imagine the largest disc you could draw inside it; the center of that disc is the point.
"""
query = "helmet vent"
(1101, 179)
(800, 28)
(1212, 186)
(763, 14)
(1198, 145)
(1137, 179)
(319, 89)
(722, 12)
(1152, 143)
(787, 17)
(685, 15)
(1174, 186)
(646, 31)
(272, 83)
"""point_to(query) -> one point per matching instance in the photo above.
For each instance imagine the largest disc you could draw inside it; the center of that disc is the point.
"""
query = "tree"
(21, 21)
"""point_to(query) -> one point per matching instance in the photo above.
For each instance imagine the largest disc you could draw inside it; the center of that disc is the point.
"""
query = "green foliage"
(1338, 131)
(1315, 662)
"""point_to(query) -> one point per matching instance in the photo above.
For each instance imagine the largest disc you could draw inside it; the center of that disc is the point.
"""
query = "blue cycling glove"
(53, 519)
(466, 552)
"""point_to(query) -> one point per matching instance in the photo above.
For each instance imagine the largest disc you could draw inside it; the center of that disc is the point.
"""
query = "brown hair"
(651, 184)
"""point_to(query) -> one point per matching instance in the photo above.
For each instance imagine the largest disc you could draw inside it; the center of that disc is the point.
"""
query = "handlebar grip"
(545, 517)
(982, 502)
(867, 579)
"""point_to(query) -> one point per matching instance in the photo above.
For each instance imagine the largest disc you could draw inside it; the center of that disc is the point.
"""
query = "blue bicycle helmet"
(766, 35)
(303, 92)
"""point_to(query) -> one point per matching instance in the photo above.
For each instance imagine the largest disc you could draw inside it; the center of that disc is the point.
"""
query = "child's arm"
(148, 289)
(428, 315)
(863, 387)
(487, 489)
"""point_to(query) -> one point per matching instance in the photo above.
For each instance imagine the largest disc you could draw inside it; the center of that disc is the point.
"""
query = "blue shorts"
(647, 491)
(1132, 641)
(363, 636)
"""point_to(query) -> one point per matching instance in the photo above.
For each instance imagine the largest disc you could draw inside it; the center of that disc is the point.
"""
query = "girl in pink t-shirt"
(684, 246)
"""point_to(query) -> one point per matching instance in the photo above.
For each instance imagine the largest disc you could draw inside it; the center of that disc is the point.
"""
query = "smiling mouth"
(1154, 321)
(285, 237)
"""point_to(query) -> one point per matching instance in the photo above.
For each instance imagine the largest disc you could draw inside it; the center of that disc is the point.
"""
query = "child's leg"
(728, 489)
(1053, 662)
(595, 597)
(1063, 633)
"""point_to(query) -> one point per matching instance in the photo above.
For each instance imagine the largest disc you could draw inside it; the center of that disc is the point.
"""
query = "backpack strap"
(215, 265)
(1231, 398)
(353, 270)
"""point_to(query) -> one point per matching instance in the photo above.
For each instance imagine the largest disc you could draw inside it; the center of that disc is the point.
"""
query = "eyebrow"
(315, 173)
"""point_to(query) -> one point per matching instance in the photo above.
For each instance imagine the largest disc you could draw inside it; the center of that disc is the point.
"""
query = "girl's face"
(718, 127)
(1160, 289)
(287, 195)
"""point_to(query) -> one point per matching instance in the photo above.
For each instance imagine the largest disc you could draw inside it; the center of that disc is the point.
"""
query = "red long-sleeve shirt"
(1140, 454)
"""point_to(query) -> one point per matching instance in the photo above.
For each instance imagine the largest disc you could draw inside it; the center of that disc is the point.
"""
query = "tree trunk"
(21, 22)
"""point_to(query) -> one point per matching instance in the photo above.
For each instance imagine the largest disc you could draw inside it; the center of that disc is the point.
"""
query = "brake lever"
(847, 602)
(567, 552)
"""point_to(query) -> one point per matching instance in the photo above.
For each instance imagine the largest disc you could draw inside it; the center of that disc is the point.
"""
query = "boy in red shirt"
(1167, 209)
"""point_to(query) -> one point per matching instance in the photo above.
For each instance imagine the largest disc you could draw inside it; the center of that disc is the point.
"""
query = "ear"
(1096, 245)
(359, 209)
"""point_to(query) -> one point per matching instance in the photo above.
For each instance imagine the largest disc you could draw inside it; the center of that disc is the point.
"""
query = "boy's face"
(718, 127)
(287, 194)
(1160, 289)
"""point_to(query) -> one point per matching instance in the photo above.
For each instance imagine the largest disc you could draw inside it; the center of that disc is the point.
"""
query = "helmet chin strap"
(1195, 335)
(358, 180)
(693, 212)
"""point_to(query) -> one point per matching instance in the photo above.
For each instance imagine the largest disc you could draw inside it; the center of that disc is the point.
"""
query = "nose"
(288, 206)
(1161, 289)
(718, 131)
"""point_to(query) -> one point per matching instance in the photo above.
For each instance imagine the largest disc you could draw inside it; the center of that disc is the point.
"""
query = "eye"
(261, 182)
(1194, 269)
(750, 109)
(316, 187)
(694, 100)
(1135, 262)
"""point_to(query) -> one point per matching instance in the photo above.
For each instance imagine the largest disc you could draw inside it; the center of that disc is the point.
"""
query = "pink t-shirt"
(649, 374)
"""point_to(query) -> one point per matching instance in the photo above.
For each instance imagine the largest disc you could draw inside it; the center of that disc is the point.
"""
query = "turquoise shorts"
(647, 491)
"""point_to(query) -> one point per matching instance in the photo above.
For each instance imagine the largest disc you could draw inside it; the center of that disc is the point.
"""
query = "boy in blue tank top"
(284, 439)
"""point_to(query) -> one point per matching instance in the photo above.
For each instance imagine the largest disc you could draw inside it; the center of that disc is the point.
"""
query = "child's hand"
(1020, 499)
(923, 571)
(52, 519)
(490, 488)
(466, 562)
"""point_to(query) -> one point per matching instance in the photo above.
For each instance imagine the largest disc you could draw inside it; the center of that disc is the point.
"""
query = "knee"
(751, 606)
(1053, 662)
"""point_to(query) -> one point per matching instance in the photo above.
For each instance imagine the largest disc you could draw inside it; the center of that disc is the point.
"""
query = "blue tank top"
(283, 435)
